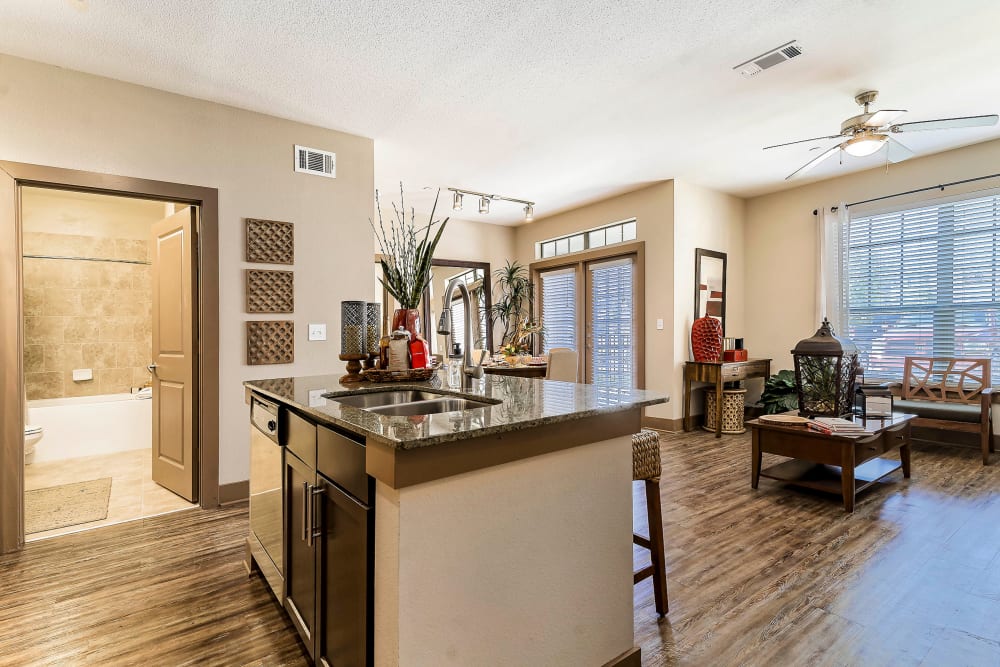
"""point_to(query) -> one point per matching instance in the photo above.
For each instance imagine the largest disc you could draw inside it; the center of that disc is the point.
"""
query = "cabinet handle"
(313, 532)
(306, 512)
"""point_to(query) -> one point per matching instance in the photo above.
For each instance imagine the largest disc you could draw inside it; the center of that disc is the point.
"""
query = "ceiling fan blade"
(884, 117)
(897, 152)
(946, 123)
(805, 141)
(812, 163)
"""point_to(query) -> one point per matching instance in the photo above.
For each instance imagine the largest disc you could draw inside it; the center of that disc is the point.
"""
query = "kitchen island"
(502, 533)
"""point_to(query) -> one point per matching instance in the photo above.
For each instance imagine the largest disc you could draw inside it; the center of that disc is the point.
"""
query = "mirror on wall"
(710, 285)
(476, 276)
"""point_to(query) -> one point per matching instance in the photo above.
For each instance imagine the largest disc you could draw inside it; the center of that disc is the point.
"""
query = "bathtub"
(91, 425)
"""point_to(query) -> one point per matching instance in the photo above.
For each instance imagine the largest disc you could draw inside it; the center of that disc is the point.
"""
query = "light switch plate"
(82, 374)
(317, 332)
(659, 324)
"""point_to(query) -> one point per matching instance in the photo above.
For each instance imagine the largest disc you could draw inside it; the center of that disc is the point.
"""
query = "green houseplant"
(406, 250)
(513, 299)
(779, 393)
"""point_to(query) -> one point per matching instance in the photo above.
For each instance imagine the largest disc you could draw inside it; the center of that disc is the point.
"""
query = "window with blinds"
(559, 309)
(457, 323)
(924, 282)
(611, 328)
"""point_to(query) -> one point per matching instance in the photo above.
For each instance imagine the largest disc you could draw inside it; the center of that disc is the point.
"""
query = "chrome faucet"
(444, 324)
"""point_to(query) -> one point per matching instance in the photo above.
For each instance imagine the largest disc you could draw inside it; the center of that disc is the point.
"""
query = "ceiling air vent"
(769, 59)
(315, 161)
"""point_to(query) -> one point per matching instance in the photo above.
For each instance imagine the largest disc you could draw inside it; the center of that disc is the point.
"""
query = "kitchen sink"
(429, 407)
(380, 398)
(410, 402)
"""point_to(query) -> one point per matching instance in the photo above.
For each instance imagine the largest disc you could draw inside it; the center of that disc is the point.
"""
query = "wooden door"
(174, 355)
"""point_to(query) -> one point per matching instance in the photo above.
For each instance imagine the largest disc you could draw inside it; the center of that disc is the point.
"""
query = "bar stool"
(646, 467)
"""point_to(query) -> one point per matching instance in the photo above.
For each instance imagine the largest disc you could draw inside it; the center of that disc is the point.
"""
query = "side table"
(718, 373)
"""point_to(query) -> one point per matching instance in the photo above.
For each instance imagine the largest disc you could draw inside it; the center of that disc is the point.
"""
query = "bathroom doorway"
(90, 271)
(118, 421)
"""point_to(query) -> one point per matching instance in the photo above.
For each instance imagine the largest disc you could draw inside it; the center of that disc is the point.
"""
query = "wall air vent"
(764, 61)
(315, 161)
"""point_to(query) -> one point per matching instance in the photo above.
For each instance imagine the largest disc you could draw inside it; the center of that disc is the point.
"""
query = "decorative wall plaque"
(270, 342)
(270, 291)
(270, 241)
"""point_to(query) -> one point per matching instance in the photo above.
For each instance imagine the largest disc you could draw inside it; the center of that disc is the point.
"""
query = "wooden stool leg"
(656, 546)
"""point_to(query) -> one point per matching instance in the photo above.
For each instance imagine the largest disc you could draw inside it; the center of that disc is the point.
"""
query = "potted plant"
(514, 297)
(779, 393)
(406, 258)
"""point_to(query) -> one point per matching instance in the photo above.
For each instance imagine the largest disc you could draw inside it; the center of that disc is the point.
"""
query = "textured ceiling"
(561, 102)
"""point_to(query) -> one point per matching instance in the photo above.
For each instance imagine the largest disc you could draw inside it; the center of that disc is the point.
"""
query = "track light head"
(484, 205)
(529, 213)
(456, 201)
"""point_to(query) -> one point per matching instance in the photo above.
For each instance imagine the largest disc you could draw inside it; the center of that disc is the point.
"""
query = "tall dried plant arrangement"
(406, 250)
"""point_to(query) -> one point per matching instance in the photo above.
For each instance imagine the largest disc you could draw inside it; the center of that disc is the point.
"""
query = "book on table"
(836, 426)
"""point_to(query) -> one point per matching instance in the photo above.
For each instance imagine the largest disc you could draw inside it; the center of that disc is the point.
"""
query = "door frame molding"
(16, 174)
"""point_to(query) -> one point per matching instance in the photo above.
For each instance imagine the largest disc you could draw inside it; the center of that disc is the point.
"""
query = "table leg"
(847, 476)
(755, 459)
(687, 402)
(904, 451)
(718, 406)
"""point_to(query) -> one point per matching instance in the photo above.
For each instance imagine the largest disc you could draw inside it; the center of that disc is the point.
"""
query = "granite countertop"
(524, 403)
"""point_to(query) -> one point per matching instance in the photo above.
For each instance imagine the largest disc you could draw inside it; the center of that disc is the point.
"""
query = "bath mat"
(66, 505)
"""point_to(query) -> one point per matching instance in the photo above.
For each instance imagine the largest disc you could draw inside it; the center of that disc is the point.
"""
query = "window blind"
(458, 323)
(924, 282)
(559, 309)
(611, 324)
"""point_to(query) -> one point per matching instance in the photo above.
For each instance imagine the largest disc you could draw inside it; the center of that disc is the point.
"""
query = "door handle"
(306, 513)
(152, 368)
(313, 532)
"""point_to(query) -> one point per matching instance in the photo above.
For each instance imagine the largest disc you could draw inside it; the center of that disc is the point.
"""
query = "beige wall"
(86, 314)
(653, 208)
(781, 238)
(57, 117)
(712, 220)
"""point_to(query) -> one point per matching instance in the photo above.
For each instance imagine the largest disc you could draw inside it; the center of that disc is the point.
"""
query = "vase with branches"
(407, 249)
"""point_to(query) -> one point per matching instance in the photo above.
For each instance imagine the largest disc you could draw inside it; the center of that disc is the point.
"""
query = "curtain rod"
(910, 192)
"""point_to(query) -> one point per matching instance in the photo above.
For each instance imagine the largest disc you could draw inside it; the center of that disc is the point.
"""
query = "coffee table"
(832, 463)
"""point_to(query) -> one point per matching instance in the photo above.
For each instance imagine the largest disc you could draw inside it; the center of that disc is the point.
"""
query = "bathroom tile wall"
(85, 314)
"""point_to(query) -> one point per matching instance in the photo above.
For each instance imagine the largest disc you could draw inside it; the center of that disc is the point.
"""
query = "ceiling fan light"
(864, 144)
(456, 202)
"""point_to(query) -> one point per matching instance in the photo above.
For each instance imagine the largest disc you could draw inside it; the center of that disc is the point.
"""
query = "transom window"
(618, 232)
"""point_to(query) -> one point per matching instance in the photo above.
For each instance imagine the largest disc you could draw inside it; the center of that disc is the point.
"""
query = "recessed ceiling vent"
(775, 56)
(315, 161)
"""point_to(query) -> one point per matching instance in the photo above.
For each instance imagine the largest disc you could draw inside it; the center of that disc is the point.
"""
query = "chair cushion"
(959, 412)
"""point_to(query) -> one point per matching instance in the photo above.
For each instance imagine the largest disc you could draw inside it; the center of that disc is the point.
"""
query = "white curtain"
(831, 297)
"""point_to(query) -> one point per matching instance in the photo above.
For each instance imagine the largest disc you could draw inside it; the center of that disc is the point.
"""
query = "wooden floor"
(767, 577)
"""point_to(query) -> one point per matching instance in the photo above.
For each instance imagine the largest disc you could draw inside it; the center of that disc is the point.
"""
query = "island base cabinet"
(345, 568)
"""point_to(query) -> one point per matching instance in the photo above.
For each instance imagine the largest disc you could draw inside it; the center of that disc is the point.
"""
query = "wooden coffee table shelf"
(829, 463)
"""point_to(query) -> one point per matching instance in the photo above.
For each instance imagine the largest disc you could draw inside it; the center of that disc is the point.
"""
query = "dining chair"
(563, 365)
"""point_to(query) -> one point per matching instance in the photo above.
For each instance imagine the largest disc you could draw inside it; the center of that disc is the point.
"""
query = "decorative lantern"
(873, 401)
(373, 328)
(353, 329)
(825, 370)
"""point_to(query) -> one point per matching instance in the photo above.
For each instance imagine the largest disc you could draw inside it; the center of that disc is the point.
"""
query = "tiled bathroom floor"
(134, 494)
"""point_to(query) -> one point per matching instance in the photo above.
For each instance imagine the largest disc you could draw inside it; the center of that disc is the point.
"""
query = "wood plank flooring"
(768, 577)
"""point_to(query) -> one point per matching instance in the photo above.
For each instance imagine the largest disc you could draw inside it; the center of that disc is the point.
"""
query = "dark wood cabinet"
(330, 544)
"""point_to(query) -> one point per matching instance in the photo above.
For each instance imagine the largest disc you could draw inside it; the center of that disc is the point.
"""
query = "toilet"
(32, 434)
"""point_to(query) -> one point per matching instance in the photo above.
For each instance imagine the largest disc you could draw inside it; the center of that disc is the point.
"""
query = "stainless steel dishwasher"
(266, 491)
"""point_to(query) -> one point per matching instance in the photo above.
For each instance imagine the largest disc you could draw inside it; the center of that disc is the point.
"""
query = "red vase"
(409, 319)
(706, 339)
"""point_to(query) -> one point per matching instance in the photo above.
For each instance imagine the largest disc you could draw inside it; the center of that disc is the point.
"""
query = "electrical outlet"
(659, 324)
(317, 332)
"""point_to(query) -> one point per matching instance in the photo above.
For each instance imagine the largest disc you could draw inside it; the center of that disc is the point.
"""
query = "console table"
(718, 373)
(832, 463)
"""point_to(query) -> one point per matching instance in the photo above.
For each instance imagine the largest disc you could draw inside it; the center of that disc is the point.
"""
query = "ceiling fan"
(869, 131)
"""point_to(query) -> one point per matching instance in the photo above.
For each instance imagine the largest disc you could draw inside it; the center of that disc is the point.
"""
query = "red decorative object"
(735, 355)
(409, 319)
(706, 339)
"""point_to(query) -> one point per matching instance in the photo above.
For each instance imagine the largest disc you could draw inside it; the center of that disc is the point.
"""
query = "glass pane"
(562, 246)
(614, 234)
(597, 238)
(549, 249)
(628, 231)
(612, 356)
(576, 243)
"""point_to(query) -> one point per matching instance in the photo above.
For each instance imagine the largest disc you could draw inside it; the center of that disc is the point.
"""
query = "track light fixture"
(485, 199)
